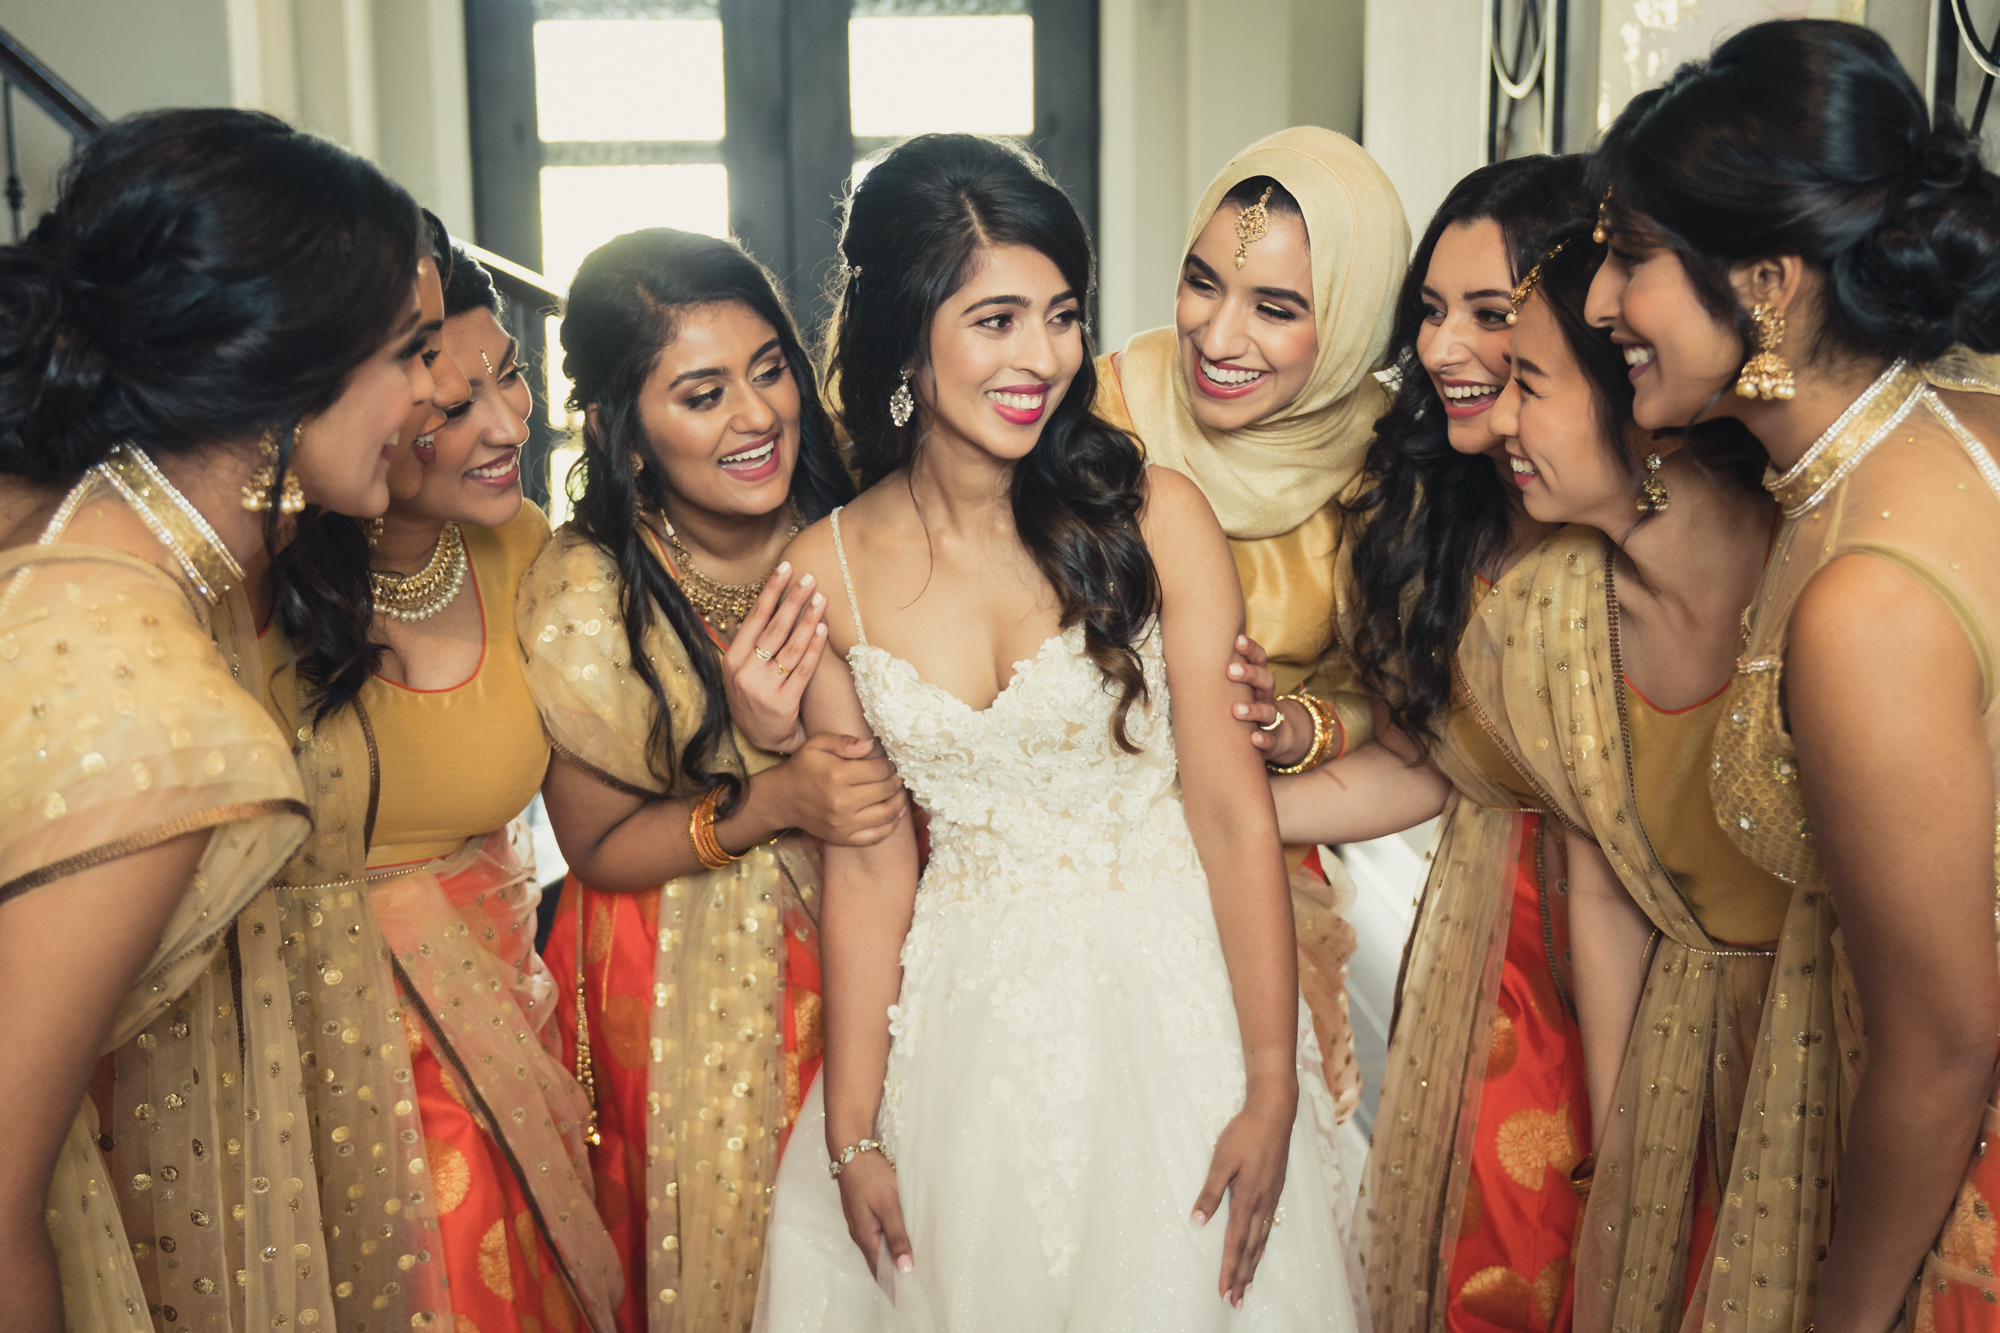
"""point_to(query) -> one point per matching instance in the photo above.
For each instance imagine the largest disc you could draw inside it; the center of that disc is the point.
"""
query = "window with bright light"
(962, 72)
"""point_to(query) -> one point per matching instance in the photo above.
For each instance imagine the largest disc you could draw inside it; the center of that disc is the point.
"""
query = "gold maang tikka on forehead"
(1521, 292)
(1253, 225)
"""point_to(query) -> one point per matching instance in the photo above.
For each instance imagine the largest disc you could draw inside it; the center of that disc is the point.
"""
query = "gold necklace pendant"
(722, 605)
(428, 591)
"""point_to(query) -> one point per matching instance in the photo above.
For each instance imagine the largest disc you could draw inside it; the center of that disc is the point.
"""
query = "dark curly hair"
(1806, 137)
(914, 229)
(1429, 516)
(204, 275)
(328, 608)
(625, 306)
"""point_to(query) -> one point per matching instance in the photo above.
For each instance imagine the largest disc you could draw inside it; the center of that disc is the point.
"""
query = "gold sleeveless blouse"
(1897, 476)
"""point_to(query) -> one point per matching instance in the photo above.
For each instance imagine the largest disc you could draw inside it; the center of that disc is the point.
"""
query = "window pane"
(629, 78)
(583, 207)
(965, 72)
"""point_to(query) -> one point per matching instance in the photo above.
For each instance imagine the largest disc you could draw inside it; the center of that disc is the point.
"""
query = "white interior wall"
(384, 77)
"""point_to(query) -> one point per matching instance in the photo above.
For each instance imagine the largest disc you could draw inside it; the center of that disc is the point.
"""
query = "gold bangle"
(1324, 725)
(1581, 1174)
(708, 849)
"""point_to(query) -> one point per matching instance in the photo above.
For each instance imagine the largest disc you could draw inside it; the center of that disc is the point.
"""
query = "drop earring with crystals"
(1653, 496)
(901, 405)
(1766, 375)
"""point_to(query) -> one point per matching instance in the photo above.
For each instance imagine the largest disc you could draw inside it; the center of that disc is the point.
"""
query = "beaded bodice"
(1898, 477)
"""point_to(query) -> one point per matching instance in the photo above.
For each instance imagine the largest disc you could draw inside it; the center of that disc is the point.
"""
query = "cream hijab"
(1272, 475)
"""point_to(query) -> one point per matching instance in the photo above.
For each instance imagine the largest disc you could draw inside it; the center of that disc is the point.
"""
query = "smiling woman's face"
(721, 412)
(1247, 336)
(1463, 341)
(1554, 435)
(1004, 349)
(1682, 357)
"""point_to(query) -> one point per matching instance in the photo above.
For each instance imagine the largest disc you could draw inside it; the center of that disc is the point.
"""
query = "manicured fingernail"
(806, 582)
(784, 567)
(1236, 672)
(904, 1265)
(819, 631)
(1243, 710)
(1200, 1218)
(819, 600)
(1242, 642)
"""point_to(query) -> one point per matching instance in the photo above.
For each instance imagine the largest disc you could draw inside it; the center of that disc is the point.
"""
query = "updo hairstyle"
(1806, 137)
(204, 275)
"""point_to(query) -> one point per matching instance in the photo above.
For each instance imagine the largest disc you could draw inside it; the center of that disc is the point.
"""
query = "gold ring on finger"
(784, 670)
(1274, 723)
(762, 656)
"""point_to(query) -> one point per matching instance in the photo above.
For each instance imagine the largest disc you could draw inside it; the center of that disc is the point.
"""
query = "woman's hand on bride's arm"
(1287, 741)
(772, 658)
(1249, 1166)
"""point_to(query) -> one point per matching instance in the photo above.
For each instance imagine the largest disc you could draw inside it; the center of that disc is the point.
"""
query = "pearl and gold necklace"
(421, 595)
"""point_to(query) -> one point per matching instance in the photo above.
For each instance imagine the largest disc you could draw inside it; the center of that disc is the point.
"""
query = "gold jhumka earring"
(1653, 495)
(1603, 227)
(1765, 375)
(1253, 225)
(257, 491)
(1527, 286)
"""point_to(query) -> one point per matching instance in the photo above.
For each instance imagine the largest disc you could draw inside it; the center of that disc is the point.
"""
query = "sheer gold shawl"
(1413, 1188)
(127, 730)
(1274, 474)
(716, 1104)
(1543, 675)
(360, 1008)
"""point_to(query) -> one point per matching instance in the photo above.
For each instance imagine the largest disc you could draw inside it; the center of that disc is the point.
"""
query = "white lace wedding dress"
(1065, 1046)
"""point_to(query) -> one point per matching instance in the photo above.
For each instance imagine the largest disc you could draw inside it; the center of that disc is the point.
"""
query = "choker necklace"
(722, 605)
(421, 595)
(194, 544)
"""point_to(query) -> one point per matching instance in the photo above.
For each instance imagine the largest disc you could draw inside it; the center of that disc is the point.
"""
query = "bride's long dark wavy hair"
(629, 301)
(1430, 516)
(915, 227)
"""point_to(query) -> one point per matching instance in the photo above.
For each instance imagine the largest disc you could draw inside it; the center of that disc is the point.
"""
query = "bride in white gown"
(1088, 1099)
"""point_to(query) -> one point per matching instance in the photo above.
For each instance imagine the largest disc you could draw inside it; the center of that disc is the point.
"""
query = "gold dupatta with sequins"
(129, 727)
(1544, 676)
(716, 1102)
(1929, 507)
(361, 1005)
(1414, 1184)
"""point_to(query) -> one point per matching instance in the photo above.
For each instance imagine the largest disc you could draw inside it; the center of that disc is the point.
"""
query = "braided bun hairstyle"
(204, 275)
(1806, 137)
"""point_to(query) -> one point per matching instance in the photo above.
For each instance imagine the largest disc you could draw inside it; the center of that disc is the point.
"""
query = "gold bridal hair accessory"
(1528, 284)
(1766, 375)
(257, 490)
(1253, 225)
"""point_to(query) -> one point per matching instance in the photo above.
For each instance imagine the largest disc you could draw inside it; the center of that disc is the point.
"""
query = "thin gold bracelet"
(1324, 731)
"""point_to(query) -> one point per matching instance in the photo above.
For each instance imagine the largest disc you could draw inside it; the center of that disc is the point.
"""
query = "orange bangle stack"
(708, 848)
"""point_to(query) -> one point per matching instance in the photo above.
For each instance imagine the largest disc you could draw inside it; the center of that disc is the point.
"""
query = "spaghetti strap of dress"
(840, 552)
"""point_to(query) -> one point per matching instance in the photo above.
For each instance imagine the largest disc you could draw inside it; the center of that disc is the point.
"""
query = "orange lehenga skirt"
(618, 957)
(1511, 1269)
(524, 1250)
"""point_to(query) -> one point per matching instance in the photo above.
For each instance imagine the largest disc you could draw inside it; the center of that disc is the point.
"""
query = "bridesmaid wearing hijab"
(215, 325)
(1263, 391)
